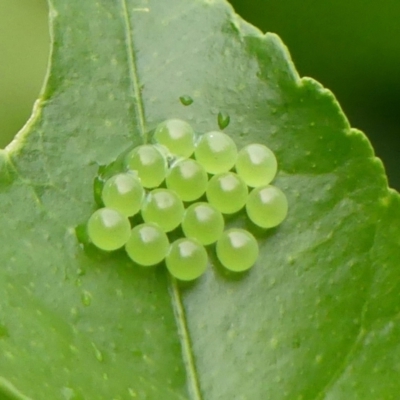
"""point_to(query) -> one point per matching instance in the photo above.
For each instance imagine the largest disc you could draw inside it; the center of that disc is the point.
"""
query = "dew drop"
(186, 100)
(223, 120)
(86, 298)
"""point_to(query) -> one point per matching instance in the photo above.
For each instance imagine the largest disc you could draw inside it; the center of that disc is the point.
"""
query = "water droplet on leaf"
(186, 100)
(223, 120)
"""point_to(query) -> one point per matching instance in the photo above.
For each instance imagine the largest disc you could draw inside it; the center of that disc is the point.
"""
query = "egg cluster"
(181, 181)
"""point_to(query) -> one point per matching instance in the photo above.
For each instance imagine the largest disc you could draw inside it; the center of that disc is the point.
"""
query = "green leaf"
(316, 318)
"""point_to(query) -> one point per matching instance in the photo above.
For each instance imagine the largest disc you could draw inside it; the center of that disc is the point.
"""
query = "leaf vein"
(193, 384)
(352, 349)
(133, 72)
(179, 312)
(342, 367)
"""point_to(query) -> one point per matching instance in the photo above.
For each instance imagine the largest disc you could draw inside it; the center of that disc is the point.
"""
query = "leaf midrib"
(133, 74)
(177, 305)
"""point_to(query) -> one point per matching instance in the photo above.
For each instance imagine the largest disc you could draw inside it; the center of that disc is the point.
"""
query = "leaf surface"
(316, 318)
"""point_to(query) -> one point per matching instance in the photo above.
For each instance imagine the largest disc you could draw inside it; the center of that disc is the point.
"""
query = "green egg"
(163, 207)
(124, 193)
(267, 206)
(149, 163)
(177, 136)
(188, 179)
(148, 244)
(227, 192)
(256, 165)
(187, 259)
(108, 229)
(216, 152)
(202, 221)
(237, 250)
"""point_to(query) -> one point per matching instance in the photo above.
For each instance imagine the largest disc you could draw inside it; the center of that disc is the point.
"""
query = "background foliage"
(351, 47)
(24, 47)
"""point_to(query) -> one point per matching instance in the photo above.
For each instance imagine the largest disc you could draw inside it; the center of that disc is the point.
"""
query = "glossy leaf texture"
(316, 318)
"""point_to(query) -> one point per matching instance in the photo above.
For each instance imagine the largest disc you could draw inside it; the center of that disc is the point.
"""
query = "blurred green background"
(353, 48)
(350, 46)
(24, 48)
